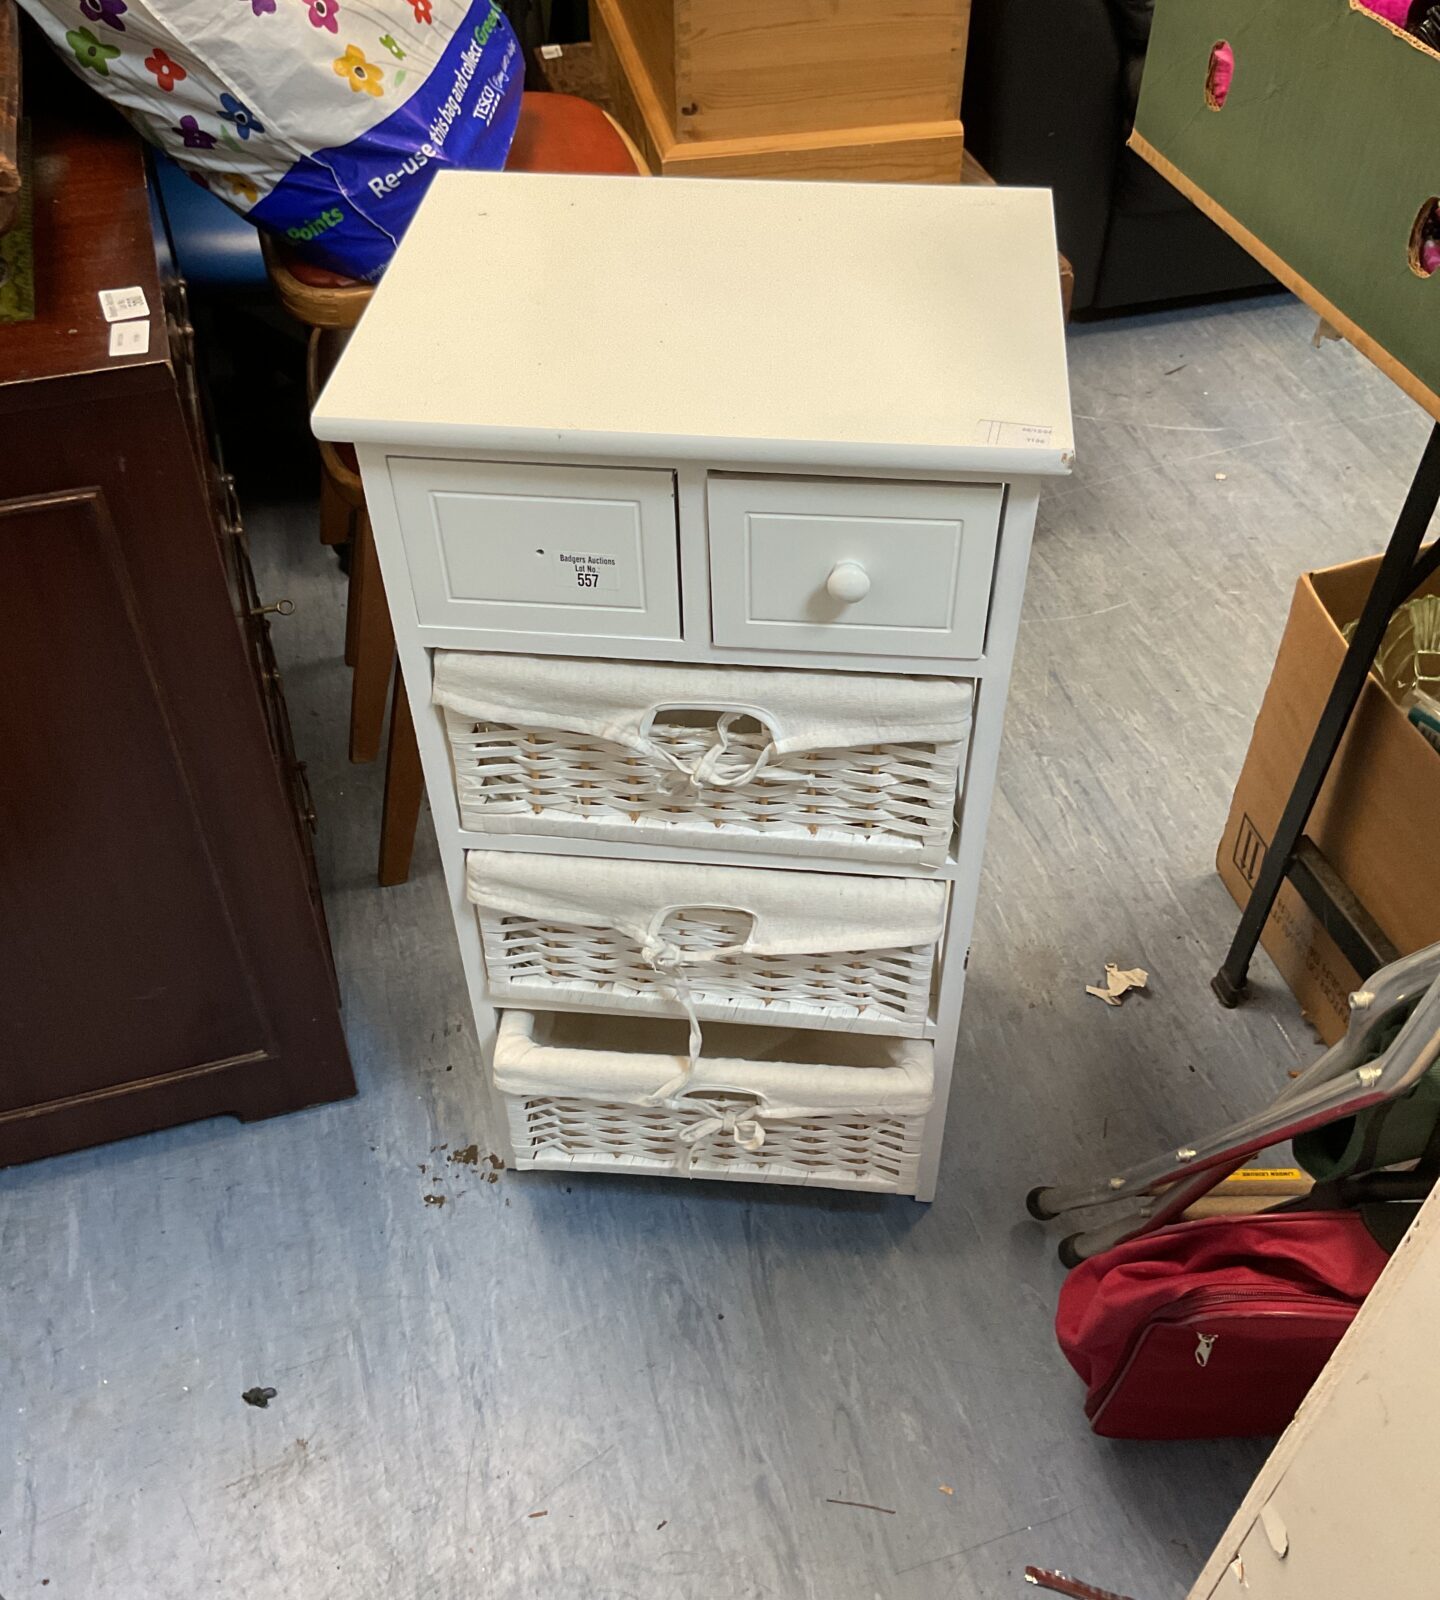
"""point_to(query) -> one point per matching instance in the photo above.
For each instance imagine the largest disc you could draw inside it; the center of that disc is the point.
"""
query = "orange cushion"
(555, 133)
(311, 275)
(563, 133)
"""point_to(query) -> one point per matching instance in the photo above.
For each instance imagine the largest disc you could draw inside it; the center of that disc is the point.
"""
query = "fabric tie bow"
(741, 1122)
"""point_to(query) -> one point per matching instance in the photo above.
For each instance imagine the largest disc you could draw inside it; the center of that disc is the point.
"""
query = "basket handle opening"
(707, 772)
(662, 947)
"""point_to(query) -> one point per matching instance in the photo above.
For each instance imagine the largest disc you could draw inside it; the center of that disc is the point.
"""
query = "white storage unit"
(705, 590)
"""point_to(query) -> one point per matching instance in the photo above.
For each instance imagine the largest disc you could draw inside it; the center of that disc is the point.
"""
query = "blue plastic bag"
(320, 120)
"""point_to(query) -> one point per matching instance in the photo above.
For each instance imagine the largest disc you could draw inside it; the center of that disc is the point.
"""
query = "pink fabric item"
(1396, 11)
(1222, 72)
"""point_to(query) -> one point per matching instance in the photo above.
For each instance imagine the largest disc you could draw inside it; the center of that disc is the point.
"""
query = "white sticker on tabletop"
(119, 305)
(1004, 435)
(584, 570)
(129, 338)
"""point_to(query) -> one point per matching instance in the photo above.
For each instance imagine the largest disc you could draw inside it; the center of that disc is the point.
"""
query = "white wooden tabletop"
(879, 326)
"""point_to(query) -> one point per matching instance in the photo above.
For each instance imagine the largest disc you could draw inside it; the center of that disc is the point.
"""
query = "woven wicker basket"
(709, 777)
(724, 944)
(577, 1095)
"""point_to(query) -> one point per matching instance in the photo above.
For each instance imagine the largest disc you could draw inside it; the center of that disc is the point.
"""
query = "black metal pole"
(1397, 578)
(1428, 564)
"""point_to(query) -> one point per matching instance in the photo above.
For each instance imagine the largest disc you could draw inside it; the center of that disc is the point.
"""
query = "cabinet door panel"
(119, 958)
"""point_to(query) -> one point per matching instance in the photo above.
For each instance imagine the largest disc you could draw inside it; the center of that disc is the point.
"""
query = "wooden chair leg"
(356, 579)
(337, 514)
(404, 788)
(374, 648)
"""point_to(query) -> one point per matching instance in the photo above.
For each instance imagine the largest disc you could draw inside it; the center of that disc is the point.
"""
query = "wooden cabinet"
(161, 938)
(714, 886)
(788, 88)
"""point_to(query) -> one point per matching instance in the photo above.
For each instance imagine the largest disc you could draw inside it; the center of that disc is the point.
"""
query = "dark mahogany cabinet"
(163, 953)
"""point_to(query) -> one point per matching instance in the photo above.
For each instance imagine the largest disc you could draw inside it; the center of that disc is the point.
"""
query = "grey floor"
(632, 1390)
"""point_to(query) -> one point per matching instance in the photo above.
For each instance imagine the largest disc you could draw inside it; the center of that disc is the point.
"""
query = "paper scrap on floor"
(1118, 984)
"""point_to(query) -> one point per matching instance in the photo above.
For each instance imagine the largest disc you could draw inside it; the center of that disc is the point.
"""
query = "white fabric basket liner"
(790, 1073)
(794, 913)
(619, 700)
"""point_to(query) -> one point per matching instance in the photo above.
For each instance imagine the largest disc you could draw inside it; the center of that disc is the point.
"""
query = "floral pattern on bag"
(106, 11)
(244, 122)
(193, 135)
(166, 69)
(364, 75)
(90, 52)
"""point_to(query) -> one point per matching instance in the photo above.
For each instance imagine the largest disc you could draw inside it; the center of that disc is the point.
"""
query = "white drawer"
(761, 1105)
(719, 944)
(587, 552)
(843, 765)
(834, 564)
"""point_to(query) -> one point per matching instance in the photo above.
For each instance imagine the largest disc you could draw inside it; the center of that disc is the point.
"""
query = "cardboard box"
(1378, 816)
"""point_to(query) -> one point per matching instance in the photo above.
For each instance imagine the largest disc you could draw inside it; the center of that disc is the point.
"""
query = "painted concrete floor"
(632, 1390)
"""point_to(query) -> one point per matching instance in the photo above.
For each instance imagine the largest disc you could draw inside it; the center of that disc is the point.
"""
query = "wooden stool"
(555, 133)
(369, 641)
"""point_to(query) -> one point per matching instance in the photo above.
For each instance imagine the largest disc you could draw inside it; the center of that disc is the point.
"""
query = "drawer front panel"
(719, 944)
(837, 565)
(762, 1105)
(742, 758)
(579, 551)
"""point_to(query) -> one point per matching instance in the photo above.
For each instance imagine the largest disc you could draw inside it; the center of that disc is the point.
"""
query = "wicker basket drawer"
(745, 758)
(763, 1105)
(815, 950)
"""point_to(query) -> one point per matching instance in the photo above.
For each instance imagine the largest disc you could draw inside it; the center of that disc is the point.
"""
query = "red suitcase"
(1214, 1328)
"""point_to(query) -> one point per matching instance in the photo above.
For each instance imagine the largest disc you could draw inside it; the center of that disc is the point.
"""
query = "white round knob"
(848, 582)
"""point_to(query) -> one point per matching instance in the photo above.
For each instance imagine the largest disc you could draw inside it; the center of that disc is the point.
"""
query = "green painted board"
(1324, 152)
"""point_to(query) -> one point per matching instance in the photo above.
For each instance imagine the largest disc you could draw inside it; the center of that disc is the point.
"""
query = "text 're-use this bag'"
(321, 120)
(1214, 1328)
